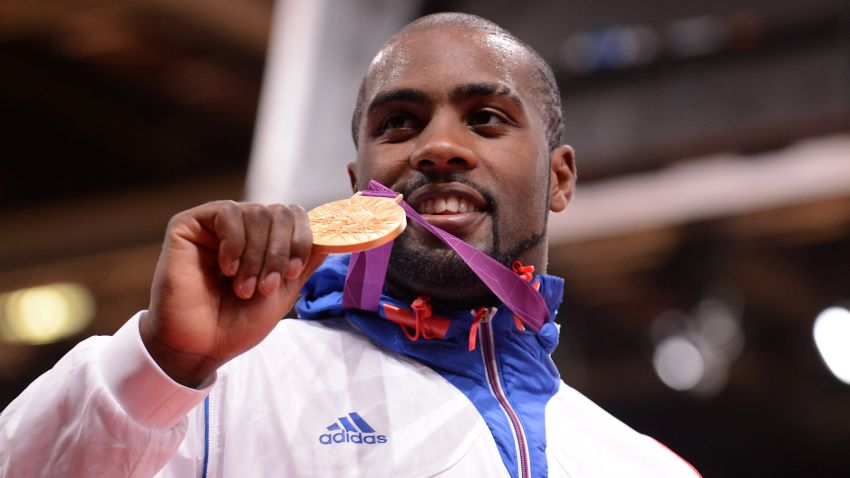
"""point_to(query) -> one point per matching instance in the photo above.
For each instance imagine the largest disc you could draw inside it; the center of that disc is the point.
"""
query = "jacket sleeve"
(105, 409)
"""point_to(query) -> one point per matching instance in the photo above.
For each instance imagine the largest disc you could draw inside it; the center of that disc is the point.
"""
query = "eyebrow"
(407, 95)
(456, 95)
(469, 90)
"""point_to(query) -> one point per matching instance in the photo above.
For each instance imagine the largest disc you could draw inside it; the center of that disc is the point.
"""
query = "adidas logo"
(351, 429)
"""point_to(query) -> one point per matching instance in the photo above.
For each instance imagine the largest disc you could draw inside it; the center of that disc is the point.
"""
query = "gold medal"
(356, 224)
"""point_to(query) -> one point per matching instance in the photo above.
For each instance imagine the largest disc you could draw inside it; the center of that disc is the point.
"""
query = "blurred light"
(693, 351)
(718, 325)
(832, 337)
(696, 36)
(746, 30)
(640, 45)
(678, 363)
(577, 52)
(707, 188)
(619, 47)
(609, 48)
(44, 314)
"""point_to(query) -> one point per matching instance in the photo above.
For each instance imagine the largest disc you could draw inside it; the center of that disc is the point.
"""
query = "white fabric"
(585, 441)
(107, 410)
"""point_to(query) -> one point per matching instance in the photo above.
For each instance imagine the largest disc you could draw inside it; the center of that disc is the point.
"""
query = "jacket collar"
(321, 297)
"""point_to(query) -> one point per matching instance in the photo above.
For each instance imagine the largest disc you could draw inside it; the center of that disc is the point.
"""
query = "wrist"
(187, 369)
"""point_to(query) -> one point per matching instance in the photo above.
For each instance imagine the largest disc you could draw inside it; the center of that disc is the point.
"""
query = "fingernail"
(270, 283)
(295, 267)
(234, 266)
(248, 286)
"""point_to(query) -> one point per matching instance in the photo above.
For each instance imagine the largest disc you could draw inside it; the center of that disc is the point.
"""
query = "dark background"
(116, 115)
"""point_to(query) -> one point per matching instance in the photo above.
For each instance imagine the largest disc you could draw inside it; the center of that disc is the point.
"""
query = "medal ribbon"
(367, 270)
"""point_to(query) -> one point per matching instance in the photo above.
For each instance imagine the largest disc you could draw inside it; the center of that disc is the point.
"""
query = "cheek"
(524, 174)
(386, 164)
(524, 190)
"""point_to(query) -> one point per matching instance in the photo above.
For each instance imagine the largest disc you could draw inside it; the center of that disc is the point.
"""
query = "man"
(464, 120)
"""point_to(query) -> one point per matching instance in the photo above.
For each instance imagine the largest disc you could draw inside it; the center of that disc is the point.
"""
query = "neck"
(451, 284)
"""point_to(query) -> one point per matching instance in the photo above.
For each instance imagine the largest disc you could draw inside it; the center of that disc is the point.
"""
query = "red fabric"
(473, 329)
(429, 327)
(527, 273)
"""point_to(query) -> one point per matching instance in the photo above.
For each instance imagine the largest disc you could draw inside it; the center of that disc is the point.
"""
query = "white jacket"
(316, 398)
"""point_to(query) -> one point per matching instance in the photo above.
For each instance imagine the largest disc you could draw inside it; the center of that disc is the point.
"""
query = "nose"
(442, 147)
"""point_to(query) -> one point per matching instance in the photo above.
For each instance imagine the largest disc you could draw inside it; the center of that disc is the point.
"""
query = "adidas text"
(347, 437)
(351, 428)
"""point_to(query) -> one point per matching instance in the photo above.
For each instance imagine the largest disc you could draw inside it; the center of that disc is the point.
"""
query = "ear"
(352, 175)
(563, 178)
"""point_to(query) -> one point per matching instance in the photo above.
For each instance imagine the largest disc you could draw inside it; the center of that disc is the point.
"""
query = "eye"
(398, 121)
(486, 118)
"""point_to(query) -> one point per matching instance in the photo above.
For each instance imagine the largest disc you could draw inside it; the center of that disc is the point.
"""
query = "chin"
(438, 272)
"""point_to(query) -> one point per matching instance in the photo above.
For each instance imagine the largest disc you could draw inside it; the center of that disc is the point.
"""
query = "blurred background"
(706, 254)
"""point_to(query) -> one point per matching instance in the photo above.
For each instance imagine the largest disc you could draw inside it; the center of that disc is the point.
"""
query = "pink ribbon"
(367, 271)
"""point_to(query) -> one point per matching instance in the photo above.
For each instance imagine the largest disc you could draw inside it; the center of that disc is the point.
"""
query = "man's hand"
(227, 274)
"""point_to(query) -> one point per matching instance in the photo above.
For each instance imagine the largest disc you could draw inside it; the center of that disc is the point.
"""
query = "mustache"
(423, 180)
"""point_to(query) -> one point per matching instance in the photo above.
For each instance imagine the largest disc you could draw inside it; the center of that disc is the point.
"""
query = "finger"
(230, 230)
(316, 260)
(302, 242)
(257, 222)
(278, 249)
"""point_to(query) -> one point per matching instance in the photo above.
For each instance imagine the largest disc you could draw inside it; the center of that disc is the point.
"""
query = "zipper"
(211, 430)
(206, 437)
(491, 370)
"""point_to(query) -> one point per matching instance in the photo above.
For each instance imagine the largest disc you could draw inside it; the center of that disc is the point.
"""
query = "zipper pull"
(489, 313)
(482, 315)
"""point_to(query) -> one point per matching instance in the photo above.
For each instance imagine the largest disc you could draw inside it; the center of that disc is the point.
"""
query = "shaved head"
(544, 87)
(456, 109)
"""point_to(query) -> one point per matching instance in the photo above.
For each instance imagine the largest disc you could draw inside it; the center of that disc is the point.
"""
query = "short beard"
(418, 269)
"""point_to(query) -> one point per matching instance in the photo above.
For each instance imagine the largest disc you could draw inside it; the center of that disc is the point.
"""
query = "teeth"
(439, 205)
(451, 204)
(448, 205)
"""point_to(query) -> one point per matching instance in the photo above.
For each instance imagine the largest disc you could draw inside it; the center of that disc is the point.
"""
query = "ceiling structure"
(118, 114)
(99, 95)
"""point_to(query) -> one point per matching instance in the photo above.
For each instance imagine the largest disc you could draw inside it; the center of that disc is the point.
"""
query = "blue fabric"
(527, 373)
(206, 436)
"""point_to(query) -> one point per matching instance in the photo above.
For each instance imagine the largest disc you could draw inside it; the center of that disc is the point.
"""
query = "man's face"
(451, 122)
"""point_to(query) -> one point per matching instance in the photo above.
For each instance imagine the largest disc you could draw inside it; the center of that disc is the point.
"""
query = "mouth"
(446, 205)
(454, 207)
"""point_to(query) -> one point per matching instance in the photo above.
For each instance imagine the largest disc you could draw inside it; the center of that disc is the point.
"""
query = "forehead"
(436, 60)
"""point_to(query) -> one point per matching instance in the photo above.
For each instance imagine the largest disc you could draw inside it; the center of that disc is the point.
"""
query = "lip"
(436, 190)
(458, 224)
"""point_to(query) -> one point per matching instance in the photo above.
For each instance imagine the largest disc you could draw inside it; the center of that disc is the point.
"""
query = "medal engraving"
(356, 224)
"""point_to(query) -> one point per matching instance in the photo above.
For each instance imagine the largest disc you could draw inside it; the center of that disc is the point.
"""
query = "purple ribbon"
(367, 270)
